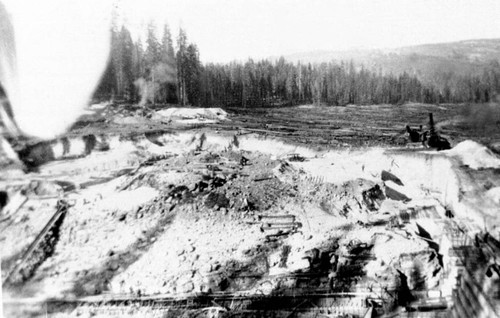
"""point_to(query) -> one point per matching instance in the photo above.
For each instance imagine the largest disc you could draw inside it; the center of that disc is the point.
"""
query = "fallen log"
(39, 249)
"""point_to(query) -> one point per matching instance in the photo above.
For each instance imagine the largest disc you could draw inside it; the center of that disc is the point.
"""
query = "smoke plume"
(153, 89)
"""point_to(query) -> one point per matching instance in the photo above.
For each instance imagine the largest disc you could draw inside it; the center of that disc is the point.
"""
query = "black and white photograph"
(250, 158)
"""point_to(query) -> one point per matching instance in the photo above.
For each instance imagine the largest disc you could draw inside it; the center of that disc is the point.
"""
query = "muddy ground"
(271, 202)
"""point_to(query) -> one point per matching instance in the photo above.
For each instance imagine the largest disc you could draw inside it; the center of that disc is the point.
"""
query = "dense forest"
(153, 72)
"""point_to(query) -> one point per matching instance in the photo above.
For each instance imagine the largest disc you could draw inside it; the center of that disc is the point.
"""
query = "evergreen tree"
(137, 68)
(152, 56)
(182, 63)
(124, 74)
(192, 74)
(162, 74)
(167, 53)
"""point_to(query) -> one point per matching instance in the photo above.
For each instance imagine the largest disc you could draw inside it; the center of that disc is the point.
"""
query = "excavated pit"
(256, 226)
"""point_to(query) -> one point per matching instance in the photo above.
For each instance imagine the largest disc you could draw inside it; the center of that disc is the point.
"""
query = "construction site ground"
(301, 211)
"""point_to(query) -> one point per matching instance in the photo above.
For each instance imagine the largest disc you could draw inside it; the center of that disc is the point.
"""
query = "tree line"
(153, 72)
(150, 71)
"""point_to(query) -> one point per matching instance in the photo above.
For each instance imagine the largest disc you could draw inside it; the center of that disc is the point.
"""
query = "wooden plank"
(62, 208)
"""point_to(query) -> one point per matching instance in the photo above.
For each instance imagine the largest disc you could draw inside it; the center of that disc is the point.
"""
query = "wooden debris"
(263, 178)
(387, 176)
(395, 195)
(38, 250)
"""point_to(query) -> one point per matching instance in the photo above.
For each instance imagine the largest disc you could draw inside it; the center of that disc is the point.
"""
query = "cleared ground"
(325, 127)
(325, 206)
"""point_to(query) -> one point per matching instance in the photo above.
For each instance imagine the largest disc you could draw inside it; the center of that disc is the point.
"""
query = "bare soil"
(272, 202)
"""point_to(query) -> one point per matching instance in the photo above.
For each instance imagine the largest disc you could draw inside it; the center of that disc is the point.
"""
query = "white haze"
(237, 29)
(162, 73)
(61, 50)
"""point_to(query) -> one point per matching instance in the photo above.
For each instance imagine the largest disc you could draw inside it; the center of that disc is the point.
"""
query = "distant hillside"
(431, 63)
(470, 50)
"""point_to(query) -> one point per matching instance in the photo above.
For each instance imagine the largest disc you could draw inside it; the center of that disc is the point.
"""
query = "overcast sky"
(237, 29)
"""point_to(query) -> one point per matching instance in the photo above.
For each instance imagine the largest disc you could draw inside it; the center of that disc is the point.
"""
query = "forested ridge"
(154, 72)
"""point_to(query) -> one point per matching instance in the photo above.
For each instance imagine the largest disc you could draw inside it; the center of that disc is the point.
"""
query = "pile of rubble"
(220, 219)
